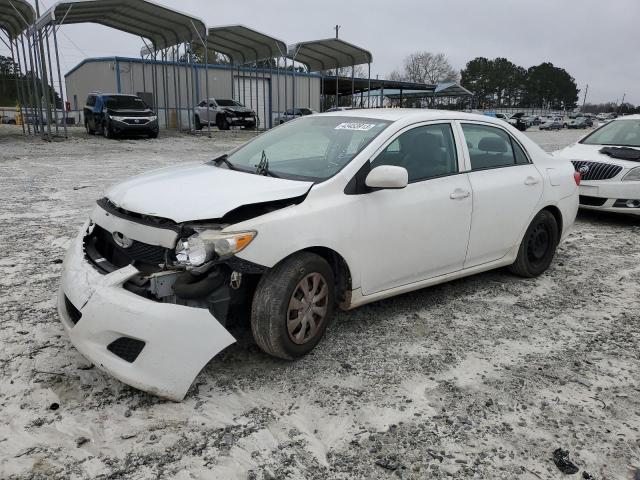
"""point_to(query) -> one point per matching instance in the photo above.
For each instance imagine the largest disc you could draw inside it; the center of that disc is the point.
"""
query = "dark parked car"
(7, 120)
(112, 114)
(552, 125)
(580, 122)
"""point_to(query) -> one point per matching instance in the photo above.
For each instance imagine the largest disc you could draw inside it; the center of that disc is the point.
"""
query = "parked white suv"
(328, 210)
(224, 114)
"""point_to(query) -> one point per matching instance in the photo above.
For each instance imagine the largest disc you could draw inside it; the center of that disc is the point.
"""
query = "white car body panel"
(612, 189)
(179, 341)
(199, 192)
(392, 241)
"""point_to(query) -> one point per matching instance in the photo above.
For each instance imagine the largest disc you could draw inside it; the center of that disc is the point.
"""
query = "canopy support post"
(16, 60)
(62, 96)
(369, 87)
(206, 85)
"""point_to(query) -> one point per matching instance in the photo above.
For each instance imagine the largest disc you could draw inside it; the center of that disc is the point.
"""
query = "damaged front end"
(143, 300)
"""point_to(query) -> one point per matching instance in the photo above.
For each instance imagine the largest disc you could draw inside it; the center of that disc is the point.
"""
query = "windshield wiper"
(224, 159)
(262, 168)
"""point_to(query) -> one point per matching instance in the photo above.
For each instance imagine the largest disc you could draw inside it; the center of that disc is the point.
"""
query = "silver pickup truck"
(224, 114)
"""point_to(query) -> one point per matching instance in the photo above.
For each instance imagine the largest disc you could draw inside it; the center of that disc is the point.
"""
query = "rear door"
(506, 189)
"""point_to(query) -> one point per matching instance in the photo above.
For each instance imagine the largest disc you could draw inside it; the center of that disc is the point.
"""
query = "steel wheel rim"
(539, 242)
(307, 308)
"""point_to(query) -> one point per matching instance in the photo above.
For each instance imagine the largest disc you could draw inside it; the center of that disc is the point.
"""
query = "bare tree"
(360, 72)
(426, 67)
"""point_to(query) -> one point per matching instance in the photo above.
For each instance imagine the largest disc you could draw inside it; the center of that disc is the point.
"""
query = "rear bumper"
(178, 341)
(605, 194)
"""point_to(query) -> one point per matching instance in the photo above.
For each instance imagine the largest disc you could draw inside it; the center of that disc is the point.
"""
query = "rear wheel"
(292, 306)
(89, 130)
(538, 246)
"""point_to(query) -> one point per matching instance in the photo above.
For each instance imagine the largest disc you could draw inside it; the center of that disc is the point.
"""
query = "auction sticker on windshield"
(362, 127)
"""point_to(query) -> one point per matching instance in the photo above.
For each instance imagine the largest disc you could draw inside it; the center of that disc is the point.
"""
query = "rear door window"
(492, 147)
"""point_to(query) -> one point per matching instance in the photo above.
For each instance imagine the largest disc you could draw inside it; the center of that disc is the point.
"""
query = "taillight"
(577, 177)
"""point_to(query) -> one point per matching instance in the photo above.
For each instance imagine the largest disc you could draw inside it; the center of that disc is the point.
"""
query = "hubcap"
(539, 241)
(307, 308)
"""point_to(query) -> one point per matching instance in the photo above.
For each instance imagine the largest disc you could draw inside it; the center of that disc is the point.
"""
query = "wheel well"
(340, 271)
(555, 211)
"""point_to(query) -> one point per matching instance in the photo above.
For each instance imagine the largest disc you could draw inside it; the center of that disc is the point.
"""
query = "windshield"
(125, 103)
(227, 103)
(623, 133)
(311, 148)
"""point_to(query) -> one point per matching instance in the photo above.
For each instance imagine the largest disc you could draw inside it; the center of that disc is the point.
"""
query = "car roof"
(415, 114)
(628, 117)
(114, 95)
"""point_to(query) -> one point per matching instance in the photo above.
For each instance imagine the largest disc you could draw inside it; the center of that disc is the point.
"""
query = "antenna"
(338, 27)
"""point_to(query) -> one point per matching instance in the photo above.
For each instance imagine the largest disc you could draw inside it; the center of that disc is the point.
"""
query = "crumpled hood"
(199, 192)
(237, 109)
(591, 153)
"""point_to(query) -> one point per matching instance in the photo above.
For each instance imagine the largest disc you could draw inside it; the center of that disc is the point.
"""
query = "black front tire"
(538, 247)
(153, 134)
(90, 131)
(270, 312)
(223, 124)
(106, 130)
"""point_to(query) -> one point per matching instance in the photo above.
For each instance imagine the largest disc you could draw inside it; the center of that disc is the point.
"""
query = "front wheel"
(538, 246)
(89, 130)
(106, 130)
(292, 306)
(223, 124)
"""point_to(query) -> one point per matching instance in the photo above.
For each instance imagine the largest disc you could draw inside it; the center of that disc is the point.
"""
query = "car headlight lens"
(206, 245)
(633, 174)
(117, 118)
(153, 118)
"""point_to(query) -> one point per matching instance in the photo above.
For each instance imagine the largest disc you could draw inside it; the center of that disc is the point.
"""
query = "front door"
(421, 231)
(506, 188)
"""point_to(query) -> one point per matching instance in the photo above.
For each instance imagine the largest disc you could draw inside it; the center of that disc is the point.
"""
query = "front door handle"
(459, 194)
(531, 181)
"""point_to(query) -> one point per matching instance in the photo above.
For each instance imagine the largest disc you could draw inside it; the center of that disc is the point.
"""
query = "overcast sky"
(596, 41)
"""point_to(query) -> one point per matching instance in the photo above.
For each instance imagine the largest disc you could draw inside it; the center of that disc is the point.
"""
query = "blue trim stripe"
(198, 65)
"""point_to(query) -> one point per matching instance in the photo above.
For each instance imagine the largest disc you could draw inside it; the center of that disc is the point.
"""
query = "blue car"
(112, 114)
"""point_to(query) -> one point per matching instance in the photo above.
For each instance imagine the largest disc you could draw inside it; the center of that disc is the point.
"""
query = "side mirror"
(387, 176)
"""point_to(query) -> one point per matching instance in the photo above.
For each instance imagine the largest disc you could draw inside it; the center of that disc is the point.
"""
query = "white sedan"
(609, 162)
(331, 210)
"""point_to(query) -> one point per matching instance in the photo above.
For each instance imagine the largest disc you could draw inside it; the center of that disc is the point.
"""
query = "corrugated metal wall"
(267, 90)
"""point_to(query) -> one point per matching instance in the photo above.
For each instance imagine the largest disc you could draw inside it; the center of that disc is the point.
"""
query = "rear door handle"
(459, 194)
(531, 181)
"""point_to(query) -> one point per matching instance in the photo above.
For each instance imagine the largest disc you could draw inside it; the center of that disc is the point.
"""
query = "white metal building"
(257, 89)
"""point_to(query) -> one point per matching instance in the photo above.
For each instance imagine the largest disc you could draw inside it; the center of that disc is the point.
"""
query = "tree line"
(9, 89)
(496, 83)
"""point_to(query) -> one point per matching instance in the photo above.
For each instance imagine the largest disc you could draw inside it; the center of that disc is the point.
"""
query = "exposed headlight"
(206, 245)
(153, 118)
(116, 118)
(633, 174)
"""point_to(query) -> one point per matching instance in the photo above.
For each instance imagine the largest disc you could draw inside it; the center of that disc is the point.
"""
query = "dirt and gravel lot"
(480, 378)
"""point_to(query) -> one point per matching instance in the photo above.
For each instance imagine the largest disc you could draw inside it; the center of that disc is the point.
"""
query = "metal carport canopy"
(15, 16)
(451, 89)
(320, 55)
(244, 45)
(162, 26)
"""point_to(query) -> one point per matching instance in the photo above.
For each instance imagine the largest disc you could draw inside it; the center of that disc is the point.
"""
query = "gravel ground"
(483, 377)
